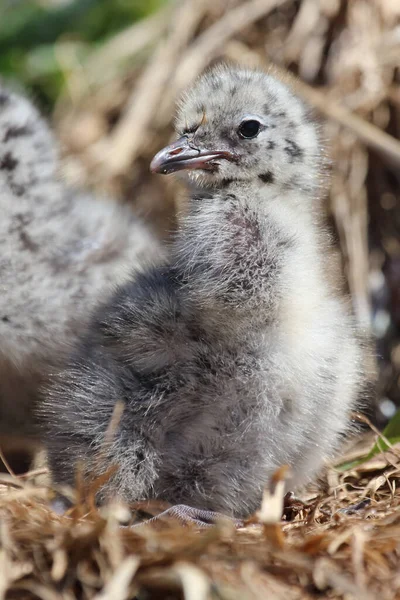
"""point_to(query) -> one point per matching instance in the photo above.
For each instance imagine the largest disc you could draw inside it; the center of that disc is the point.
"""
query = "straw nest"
(341, 540)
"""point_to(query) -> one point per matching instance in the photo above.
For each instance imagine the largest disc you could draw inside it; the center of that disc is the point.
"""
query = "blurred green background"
(32, 32)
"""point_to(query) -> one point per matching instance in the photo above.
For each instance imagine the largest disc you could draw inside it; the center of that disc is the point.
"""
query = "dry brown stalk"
(130, 133)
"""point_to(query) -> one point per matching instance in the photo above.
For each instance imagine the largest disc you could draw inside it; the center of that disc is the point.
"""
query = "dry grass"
(343, 541)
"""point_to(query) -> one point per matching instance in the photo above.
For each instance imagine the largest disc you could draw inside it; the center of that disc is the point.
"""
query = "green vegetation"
(389, 437)
(32, 32)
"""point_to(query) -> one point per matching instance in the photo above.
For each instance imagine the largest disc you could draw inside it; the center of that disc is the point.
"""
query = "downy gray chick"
(237, 356)
(60, 250)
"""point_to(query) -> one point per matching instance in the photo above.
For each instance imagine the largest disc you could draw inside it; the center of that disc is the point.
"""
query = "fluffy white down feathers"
(236, 355)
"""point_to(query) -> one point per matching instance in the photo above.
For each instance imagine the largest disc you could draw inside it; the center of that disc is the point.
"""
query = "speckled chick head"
(263, 129)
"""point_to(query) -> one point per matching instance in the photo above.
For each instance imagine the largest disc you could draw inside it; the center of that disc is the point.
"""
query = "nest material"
(342, 542)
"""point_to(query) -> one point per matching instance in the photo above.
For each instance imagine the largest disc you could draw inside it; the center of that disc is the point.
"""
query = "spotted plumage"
(236, 356)
(60, 251)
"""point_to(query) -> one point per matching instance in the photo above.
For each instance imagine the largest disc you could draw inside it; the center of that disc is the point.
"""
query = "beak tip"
(155, 166)
(161, 162)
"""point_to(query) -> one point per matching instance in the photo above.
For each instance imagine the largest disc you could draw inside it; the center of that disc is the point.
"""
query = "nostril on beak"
(175, 151)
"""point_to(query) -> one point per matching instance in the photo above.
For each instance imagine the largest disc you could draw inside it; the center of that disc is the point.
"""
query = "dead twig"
(130, 133)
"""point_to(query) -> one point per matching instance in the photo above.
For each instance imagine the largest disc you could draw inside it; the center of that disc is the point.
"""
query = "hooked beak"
(182, 155)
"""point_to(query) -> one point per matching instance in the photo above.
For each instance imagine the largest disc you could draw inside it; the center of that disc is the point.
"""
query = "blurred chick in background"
(61, 251)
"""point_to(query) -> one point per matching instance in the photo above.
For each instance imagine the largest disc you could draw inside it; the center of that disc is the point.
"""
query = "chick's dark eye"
(249, 129)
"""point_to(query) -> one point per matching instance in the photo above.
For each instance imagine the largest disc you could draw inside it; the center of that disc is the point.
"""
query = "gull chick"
(60, 251)
(237, 356)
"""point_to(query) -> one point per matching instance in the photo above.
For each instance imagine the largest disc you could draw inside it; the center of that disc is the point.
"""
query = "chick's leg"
(187, 515)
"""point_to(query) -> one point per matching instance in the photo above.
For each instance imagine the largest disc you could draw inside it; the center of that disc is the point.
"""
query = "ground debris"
(341, 542)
